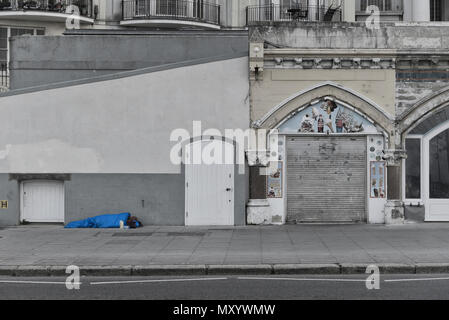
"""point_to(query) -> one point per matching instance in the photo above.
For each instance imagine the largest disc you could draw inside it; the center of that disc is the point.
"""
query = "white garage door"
(326, 179)
(43, 201)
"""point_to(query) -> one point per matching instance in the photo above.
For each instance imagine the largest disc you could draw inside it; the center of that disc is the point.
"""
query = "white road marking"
(156, 280)
(36, 282)
(418, 279)
(303, 279)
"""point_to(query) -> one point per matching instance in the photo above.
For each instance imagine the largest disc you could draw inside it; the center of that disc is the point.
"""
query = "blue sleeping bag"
(103, 221)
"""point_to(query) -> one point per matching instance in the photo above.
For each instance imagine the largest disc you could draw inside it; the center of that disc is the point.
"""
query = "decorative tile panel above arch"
(327, 116)
(330, 91)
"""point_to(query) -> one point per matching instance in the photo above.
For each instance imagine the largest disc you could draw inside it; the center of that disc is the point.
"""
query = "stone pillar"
(349, 10)
(258, 210)
(394, 208)
(420, 10)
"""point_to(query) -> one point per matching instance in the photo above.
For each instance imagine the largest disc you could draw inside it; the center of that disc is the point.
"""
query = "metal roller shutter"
(326, 179)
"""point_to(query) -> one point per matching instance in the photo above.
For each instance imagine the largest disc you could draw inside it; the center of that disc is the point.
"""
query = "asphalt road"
(229, 288)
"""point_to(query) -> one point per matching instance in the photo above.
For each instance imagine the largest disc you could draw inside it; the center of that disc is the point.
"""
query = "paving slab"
(416, 248)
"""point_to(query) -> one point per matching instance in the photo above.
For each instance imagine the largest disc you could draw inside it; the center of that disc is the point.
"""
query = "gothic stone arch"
(328, 89)
(429, 111)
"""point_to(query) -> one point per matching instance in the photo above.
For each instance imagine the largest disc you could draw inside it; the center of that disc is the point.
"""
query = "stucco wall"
(155, 199)
(9, 190)
(86, 54)
(278, 85)
(112, 136)
(121, 125)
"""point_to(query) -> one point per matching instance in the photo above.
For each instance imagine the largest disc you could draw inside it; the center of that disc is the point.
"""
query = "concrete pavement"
(292, 249)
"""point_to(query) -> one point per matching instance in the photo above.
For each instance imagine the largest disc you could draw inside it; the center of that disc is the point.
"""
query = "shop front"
(331, 167)
(426, 170)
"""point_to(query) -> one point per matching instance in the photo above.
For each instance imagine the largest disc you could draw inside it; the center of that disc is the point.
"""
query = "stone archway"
(421, 125)
(433, 108)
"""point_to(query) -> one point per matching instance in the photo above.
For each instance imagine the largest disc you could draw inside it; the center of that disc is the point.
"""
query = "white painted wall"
(121, 125)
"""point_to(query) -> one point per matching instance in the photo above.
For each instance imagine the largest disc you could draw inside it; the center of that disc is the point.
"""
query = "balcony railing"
(194, 10)
(383, 5)
(56, 6)
(277, 13)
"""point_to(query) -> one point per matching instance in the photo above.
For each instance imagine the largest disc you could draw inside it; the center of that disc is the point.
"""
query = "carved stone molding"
(394, 157)
(280, 62)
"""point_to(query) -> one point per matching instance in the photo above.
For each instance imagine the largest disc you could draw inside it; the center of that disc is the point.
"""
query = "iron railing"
(272, 12)
(195, 10)
(84, 6)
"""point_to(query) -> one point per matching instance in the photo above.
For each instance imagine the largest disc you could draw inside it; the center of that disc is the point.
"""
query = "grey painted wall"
(85, 54)
(156, 199)
(9, 190)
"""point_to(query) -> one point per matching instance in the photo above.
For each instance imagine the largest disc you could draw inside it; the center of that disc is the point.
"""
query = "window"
(439, 166)
(435, 10)
(21, 32)
(6, 32)
(413, 169)
(3, 45)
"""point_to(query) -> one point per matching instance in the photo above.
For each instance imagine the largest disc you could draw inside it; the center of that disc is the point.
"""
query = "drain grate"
(186, 234)
(123, 242)
(134, 234)
(163, 234)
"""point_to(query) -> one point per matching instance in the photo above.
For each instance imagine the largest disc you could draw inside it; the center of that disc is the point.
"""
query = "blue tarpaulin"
(103, 221)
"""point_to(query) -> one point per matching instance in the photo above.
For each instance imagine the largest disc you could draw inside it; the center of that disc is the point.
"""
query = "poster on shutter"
(377, 184)
(327, 117)
(274, 183)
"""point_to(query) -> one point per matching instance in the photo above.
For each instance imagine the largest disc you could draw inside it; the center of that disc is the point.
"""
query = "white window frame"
(425, 180)
(414, 202)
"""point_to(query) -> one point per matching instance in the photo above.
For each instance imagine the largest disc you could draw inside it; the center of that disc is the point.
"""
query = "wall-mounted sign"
(274, 183)
(327, 117)
(3, 204)
(377, 183)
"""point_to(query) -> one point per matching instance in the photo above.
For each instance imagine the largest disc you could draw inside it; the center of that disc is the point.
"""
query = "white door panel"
(43, 201)
(435, 168)
(209, 187)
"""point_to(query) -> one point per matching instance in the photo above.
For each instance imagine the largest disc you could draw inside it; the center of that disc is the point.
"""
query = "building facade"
(362, 120)
(356, 113)
(99, 133)
(52, 17)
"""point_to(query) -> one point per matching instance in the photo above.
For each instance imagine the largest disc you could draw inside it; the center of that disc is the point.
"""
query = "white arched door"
(436, 173)
(209, 174)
